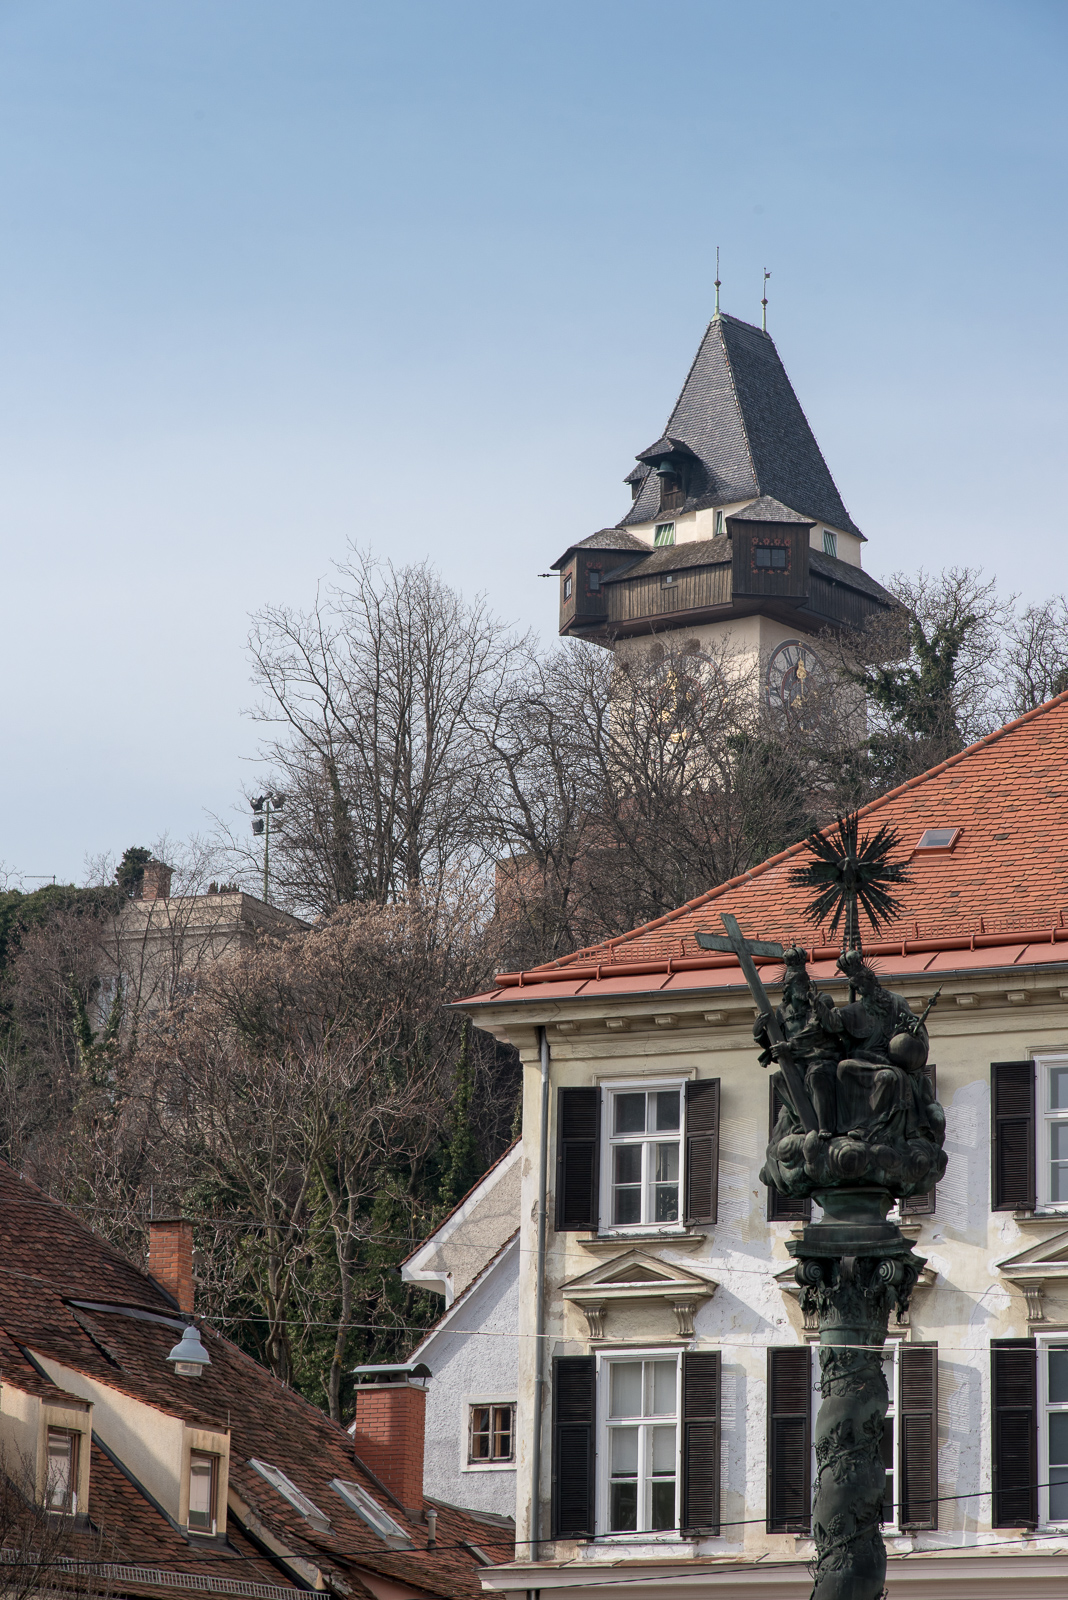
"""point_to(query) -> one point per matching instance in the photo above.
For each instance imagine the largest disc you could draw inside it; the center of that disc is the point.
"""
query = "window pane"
(502, 1433)
(888, 1463)
(624, 1452)
(1058, 1438)
(623, 1508)
(667, 1109)
(667, 1202)
(626, 1400)
(662, 1388)
(60, 1484)
(663, 1451)
(667, 1163)
(1058, 1494)
(663, 1503)
(628, 1162)
(667, 1183)
(628, 1207)
(1058, 1088)
(1058, 1374)
(201, 1478)
(630, 1113)
(1058, 1140)
(480, 1433)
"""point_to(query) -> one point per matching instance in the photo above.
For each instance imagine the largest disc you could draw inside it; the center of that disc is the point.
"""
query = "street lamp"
(264, 805)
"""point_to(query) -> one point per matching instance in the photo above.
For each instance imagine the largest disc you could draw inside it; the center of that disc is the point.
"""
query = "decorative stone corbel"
(684, 1310)
(617, 1024)
(593, 1311)
(1032, 1291)
(666, 1019)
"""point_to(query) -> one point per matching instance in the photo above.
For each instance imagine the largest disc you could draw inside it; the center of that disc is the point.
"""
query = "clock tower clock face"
(792, 673)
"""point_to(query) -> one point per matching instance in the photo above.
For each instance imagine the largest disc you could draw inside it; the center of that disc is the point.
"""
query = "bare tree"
(1036, 656)
(371, 694)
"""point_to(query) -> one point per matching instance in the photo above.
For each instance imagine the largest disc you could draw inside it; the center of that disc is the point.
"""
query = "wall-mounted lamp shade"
(189, 1355)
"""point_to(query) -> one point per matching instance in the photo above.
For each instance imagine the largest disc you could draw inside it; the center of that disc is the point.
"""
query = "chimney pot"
(170, 1258)
(388, 1435)
(156, 884)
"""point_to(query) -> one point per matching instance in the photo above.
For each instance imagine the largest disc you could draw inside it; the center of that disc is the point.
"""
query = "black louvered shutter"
(789, 1439)
(1012, 1128)
(918, 1435)
(578, 1136)
(700, 1441)
(574, 1416)
(702, 1150)
(923, 1205)
(781, 1207)
(1014, 1380)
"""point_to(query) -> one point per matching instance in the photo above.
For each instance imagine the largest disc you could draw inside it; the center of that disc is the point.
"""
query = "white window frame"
(639, 1086)
(469, 1402)
(605, 1360)
(367, 1507)
(1044, 1119)
(1043, 1342)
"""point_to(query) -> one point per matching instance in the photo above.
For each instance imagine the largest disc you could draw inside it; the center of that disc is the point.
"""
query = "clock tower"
(736, 539)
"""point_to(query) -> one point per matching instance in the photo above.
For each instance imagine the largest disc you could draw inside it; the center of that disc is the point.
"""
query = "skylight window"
(289, 1491)
(937, 840)
(368, 1508)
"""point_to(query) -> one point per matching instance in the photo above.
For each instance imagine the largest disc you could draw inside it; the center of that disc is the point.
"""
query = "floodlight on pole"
(265, 805)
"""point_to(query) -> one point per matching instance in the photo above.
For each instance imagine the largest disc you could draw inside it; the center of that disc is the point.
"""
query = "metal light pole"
(264, 806)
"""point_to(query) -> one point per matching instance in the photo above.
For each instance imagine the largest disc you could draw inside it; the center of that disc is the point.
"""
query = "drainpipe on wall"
(539, 1303)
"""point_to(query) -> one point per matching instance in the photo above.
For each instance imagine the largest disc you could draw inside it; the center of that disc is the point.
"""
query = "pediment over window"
(1033, 1270)
(636, 1278)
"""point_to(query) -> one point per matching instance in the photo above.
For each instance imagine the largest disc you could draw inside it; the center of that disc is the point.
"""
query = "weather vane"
(764, 303)
(717, 280)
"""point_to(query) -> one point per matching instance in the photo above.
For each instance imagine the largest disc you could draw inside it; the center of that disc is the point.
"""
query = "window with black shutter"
(783, 1207)
(1014, 1381)
(700, 1441)
(702, 1150)
(574, 1416)
(1012, 1123)
(923, 1205)
(578, 1133)
(918, 1435)
(789, 1507)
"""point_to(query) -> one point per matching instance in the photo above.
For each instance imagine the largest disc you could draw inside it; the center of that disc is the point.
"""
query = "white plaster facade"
(980, 1291)
(472, 1259)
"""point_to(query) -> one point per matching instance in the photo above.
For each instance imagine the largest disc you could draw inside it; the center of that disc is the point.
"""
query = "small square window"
(938, 839)
(830, 542)
(61, 1484)
(665, 534)
(567, 587)
(491, 1434)
(668, 580)
(771, 557)
(203, 1491)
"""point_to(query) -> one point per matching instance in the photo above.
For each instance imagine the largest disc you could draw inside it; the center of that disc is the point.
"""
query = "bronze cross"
(745, 949)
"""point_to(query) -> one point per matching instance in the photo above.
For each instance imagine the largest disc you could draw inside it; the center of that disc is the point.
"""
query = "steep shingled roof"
(739, 415)
(49, 1262)
(1001, 891)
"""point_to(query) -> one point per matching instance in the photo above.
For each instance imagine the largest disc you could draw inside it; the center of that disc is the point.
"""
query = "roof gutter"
(827, 952)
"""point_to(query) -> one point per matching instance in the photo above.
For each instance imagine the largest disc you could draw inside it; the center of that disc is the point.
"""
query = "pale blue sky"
(427, 274)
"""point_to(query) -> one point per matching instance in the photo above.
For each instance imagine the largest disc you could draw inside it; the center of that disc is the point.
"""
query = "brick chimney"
(389, 1428)
(156, 884)
(170, 1258)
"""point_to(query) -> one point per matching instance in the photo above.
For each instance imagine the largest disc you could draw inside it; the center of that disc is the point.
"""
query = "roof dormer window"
(665, 534)
(672, 489)
(830, 542)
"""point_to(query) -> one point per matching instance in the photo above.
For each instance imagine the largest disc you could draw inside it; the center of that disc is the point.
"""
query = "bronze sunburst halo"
(850, 875)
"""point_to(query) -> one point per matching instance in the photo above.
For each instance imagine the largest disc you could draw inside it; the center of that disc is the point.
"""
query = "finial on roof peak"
(764, 304)
(716, 312)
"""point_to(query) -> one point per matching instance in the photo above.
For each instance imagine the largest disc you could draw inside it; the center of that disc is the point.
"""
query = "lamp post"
(264, 806)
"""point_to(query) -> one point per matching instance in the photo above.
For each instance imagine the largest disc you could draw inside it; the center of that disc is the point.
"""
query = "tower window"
(719, 525)
(672, 493)
(665, 533)
(567, 587)
(593, 580)
(830, 542)
(771, 557)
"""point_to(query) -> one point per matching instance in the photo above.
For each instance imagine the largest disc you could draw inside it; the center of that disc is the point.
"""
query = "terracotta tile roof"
(48, 1262)
(1006, 877)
